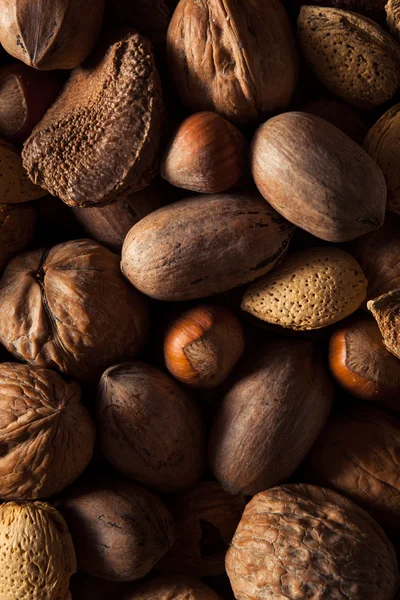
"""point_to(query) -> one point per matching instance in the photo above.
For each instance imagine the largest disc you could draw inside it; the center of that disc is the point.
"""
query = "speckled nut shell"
(100, 138)
(46, 434)
(37, 556)
(15, 185)
(312, 288)
(301, 541)
(353, 57)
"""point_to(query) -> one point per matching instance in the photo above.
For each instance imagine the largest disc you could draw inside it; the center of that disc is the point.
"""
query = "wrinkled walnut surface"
(171, 587)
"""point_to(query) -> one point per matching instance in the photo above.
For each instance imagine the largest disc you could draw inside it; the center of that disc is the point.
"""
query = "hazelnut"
(207, 154)
(318, 178)
(301, 541)
(362, 365)
(48, 35)
(204, 245)
(17, 228)
(120, 530)
(37, 555)
(149, 429)
(170, 587)
(25, 95)
(203, 345)
(205, 519)
(46, 434)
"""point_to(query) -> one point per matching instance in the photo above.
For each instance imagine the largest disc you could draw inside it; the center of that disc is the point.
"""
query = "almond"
(15, 185)
(313, 288)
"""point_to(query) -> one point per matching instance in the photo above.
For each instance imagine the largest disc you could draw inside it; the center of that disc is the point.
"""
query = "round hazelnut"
(203, 345)
(120, 530)
(46, 434)
(207, 154)
(362, 365)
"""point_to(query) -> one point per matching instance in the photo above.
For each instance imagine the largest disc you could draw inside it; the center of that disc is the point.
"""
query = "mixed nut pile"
(199, 300)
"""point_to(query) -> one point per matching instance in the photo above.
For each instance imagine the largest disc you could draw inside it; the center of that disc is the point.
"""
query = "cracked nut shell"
(70, 309)
(301, 541)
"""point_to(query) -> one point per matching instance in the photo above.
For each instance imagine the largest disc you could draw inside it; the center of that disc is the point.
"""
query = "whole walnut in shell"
(301, 541)
(358, 454)
(37, 557)
(206, 518)
(69, 308)
(100, 138)
(120, 530)
(235, 58)
(46, 434)
(150, 430)
(171, 587)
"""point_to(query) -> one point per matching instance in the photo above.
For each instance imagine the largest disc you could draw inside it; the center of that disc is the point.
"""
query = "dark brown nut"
(171, 587)
(340, 114)
(353, 57)
(362, 365)
(379, 256)
(358, 454)
(15, 185)
(150, 17)
(206, 154)
(17, 228)
(383, 144)
(215, 55)
(46, 434)
(25, 95)
(301, 541)
(149, 429)
(392, 9)
(100, 138)
(373, 9)
(70, 309)
(50, 34)
(317, 177)
(37, 555)
(110, 224)
(386, 311)
(270, 417)
(120, 530)
(186, 250)
(206, 518)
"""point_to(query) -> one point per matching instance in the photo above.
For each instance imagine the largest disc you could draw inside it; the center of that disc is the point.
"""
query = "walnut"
(69, 308)
(37, 556)
(206, 518)
(170, 587)
(301, 541)
(46, 434)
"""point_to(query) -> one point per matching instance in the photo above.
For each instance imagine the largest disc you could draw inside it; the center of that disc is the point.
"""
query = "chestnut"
(362, 365)
(202, 346)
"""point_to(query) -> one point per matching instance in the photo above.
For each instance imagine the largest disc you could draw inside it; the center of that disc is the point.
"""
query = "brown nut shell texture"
(392, 10)
(15, 185)
(383, 144)
(70, 309)
(386, 311)
(301, 541)
(120, 530)
(358, 454)
(149, 429)
(270, 417)
(353, 57)
(204, 245)
(317, 177)
(46, 434)
(100, 138)
(37, 554)
(232, 57)
(206, 518)
(171, 587)
(312, 288)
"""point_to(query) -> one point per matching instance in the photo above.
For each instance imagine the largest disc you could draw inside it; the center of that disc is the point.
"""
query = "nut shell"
(17, 228)
(149, 429)
(71, 310)
(38, 557)
(120, 530)
(186, 250)
(171, 587)
(301, 541)
(386, 311)
(317, 177)
(353, 57)
(100, 138)
(15, 185)
(235, 58)
(392, 9)
(312, 288)
(46, 434)
(270, 417)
